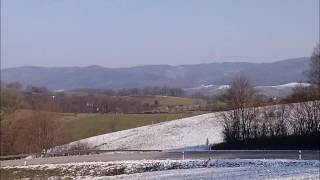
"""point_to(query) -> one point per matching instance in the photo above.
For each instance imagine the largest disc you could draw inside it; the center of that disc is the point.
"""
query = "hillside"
(186, 133)
(169, 100)
(82, 125)
(184, 76)
(282, 90)
(86, 125)
(189, 133)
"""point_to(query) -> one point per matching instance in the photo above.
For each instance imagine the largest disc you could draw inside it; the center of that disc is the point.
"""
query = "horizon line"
(137, 66)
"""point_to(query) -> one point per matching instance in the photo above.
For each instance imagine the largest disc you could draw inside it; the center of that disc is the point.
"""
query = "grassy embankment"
(86, 125)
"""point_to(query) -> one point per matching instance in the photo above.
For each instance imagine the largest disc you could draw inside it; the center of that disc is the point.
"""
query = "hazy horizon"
(152, 64)
(117, 34)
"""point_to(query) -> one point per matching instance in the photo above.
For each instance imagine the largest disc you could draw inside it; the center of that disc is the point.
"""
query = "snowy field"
(172, 169)
(187, 133)
(227, 173)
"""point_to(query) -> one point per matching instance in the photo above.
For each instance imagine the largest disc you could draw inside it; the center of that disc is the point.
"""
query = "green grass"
(163, 100)
(83, 125)
(86, 125)
(169, 100)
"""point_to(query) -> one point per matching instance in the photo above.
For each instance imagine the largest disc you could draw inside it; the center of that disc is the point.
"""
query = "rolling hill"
(183, 76)
(187, 133)
(282, 90)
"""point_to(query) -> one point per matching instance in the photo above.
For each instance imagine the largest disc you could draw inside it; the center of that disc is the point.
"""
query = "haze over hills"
(183, 76)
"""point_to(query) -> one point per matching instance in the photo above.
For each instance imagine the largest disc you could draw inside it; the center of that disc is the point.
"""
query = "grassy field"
(163, 100)
(86, 125)
(22, 128)
(169, 100)
(83, 125)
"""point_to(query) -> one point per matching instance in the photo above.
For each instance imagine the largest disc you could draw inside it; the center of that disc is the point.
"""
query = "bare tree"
(274, 120)
(241, 97)
(29, 132)
(306, 118)
(45, 125)
(314, 70)
(10, 101)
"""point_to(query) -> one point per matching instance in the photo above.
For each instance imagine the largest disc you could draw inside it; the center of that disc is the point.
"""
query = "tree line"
(14, 99)
(145, 91)
(31, 132)
(248, 120)
(83, 100)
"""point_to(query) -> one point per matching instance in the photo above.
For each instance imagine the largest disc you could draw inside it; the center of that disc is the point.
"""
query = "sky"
(124, 33)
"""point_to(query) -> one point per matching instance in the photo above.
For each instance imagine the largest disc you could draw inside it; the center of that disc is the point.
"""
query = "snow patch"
(224, 87)
(288, 85)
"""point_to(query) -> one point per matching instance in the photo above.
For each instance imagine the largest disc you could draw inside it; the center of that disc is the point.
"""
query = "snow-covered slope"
(191, 132)
(208, 90)
(280, 90)
(269, 91)
(289, 85)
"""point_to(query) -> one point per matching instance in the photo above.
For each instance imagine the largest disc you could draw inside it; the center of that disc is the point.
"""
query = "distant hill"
(269, 91)
(184, 76)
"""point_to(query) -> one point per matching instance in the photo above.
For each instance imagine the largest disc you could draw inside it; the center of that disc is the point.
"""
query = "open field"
(83, 125)
(163, 100)
(186, 133)
(170, 169)
(191, 133)
(169, 100)
(86, 125)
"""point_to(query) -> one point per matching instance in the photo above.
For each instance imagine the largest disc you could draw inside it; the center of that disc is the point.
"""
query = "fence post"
(300, 156)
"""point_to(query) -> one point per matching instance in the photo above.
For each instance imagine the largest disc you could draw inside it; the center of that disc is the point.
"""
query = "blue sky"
(118, 33)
